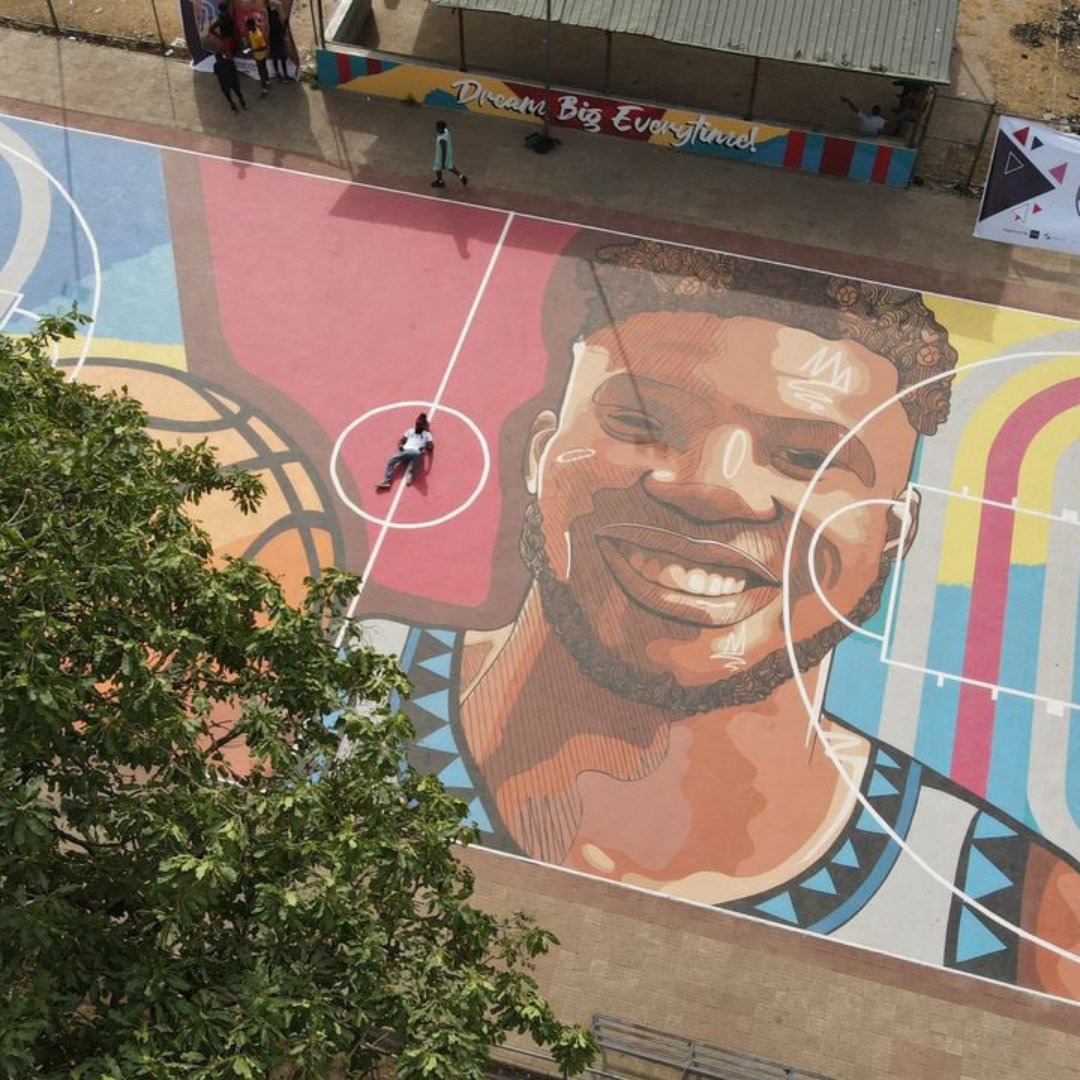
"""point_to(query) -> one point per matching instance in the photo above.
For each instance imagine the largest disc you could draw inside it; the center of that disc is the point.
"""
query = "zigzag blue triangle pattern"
(983, 877)
(833, 889)
(991, 870)
(428, 659)
(975, 939)
(780, 907)
(438, 665)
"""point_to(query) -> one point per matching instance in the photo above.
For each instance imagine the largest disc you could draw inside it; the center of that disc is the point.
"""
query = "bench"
(694, 1059)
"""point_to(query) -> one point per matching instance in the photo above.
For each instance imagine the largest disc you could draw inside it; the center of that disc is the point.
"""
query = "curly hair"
(617, 279)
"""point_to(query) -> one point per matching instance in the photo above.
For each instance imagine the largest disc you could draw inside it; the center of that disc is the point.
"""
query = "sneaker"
(408, 479)
(438, 183)
(464, 180)
(382, 485)
(234, 108)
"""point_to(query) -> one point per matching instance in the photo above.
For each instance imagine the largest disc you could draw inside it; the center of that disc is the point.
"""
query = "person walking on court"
(228, 78)
(260, 51)
(278, 29)
(444, 155)
(412, 446)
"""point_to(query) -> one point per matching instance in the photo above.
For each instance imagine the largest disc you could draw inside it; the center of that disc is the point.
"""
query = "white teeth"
(695, 580)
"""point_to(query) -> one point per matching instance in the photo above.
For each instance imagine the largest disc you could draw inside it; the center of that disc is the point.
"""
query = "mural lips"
(706, 582)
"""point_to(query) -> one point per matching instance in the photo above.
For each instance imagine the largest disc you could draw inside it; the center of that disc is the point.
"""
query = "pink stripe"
(989, 588)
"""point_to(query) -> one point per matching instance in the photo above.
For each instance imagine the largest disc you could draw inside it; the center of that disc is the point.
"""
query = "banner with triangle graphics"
(1032, 192)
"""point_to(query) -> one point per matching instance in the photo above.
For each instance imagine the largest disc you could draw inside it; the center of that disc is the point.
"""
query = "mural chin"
(672, 663)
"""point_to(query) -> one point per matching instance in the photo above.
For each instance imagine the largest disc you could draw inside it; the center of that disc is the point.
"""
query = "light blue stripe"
(901, 166)
(1072, 771)
(938, 709)
(872, 882)
(409, 651)
(1011, 749)
(812, 153)
(856, 688)
(862, 161)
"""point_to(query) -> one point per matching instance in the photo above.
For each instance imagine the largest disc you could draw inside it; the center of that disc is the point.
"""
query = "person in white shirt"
(870, 123)
(412, 446)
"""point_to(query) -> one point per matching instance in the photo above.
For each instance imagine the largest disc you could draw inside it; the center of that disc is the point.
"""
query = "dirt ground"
(135, 19)
(1042, 82)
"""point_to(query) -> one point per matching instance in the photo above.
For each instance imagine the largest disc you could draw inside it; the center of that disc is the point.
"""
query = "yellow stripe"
(170, 356)
(979, 331)
(961, 531)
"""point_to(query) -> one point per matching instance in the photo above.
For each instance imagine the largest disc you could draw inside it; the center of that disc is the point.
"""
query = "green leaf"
(163, 915)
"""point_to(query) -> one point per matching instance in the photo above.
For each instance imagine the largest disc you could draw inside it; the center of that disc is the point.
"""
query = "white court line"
(1055, 706)
(965, 496)
(814, 716)
(442, 200)
(897, 572)
(435, 402)
(814, 720)
(95, 257)
(811, 551)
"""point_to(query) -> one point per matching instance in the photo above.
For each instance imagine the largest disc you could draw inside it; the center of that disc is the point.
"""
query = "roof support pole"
(547, 65)
(157, 23)
(990, 114)
(749, 114)
(608, 37)
(461, 39)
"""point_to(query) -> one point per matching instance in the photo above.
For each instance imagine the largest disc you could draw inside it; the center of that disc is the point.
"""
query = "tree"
(163, 911)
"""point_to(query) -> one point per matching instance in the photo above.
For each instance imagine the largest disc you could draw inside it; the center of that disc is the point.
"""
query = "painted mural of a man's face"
(667, 485)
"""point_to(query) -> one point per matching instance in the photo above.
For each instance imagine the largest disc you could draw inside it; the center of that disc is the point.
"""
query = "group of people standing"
(262, 45)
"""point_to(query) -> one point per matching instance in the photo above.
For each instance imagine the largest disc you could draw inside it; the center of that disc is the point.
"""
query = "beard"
(566, 616)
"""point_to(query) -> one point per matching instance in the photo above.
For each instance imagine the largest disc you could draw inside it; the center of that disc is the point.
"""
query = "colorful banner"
(679, 129)
(1032, 192)
(198, 15)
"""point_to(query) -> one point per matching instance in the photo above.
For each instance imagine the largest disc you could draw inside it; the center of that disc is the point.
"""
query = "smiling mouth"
(700, 581)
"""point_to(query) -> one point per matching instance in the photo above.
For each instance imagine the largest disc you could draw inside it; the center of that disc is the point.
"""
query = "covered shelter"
(909, 40)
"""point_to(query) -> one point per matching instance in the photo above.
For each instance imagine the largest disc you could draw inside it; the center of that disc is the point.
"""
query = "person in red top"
(223, 27)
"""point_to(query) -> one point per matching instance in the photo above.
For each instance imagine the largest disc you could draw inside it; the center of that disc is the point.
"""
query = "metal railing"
(691, 1057)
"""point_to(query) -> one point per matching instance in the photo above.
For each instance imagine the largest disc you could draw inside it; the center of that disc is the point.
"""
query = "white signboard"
(1032, 193)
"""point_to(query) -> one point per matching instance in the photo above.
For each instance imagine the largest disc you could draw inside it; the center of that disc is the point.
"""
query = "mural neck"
(569, 764)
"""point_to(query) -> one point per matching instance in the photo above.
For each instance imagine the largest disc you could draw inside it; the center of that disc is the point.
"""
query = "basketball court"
(301, 323)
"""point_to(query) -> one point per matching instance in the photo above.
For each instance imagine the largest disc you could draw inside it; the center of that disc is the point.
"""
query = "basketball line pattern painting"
(745, 583)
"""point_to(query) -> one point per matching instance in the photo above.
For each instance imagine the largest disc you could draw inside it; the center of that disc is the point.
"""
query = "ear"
(907, 506)
(543, 427)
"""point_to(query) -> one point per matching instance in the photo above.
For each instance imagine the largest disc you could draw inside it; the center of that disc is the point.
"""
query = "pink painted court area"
(578, 505)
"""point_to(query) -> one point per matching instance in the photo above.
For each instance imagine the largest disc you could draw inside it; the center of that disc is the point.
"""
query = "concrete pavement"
(918, 237)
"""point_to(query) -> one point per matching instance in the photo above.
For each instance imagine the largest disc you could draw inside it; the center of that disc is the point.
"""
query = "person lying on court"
(412, 446)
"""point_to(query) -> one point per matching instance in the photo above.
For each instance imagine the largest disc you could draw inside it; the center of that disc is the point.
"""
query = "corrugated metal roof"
(910, 38)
